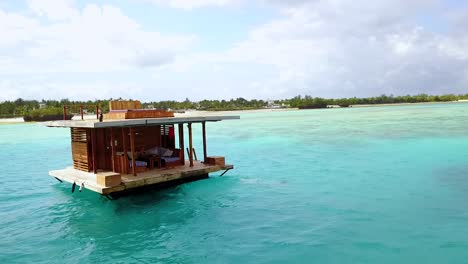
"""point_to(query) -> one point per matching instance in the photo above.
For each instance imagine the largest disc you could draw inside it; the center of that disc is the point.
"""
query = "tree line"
(317, 102)
(21, 107)
(210, 105)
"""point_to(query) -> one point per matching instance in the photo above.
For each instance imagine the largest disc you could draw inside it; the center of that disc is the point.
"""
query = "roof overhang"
(137, 122)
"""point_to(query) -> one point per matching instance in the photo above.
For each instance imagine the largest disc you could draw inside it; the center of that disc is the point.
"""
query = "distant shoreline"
(401, 104)
(215, 113)
(19, 120)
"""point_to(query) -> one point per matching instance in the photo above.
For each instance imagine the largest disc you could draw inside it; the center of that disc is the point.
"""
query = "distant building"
(42, 105)
(272, 105)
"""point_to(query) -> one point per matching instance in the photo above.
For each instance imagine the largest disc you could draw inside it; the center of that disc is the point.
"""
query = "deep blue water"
(359, 185)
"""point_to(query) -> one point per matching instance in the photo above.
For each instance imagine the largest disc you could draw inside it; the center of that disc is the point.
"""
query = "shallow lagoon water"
(358, 185)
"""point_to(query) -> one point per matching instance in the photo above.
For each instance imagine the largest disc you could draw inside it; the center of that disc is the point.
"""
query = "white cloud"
(341, 48)
(95, 38)
(324, 48)
(192, 4)
(54, 10)
(84, 90)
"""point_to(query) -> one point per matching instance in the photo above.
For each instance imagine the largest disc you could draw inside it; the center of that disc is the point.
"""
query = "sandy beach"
(11, 120)
(217, 113)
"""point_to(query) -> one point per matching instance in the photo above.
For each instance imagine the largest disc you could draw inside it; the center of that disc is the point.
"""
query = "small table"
(154, 159)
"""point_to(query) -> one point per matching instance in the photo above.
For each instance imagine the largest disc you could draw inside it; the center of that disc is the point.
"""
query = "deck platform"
(137, 122)
(129, 181)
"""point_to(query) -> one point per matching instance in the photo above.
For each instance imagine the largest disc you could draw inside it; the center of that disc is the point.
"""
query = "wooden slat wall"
(103, 149)
(147, 137)
(123, 105)
(148, 114)
(138, 114)
(80, 150)
(122, 115)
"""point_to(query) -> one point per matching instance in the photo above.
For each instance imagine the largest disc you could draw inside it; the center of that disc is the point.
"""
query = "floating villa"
(130, 148)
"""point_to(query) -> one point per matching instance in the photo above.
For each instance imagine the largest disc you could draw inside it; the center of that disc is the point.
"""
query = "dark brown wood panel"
(147, 137)
(103, 149)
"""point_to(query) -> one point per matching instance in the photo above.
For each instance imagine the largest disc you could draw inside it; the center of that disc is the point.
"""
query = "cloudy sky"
(221, 49)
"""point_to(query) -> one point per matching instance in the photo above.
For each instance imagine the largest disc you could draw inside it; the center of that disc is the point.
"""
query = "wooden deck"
(147, 178)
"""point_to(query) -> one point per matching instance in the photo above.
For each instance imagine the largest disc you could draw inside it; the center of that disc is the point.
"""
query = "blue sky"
(221, 49)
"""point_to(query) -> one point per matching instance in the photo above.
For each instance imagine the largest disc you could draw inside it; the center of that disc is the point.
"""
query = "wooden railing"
(67, 110)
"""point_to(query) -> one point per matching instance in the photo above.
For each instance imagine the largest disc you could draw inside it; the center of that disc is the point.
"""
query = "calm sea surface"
(359, 185)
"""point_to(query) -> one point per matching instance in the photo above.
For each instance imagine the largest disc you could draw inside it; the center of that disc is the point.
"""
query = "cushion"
(139, 163)
(153, 151)
(170, 159)
(167, 153)
(160, 151)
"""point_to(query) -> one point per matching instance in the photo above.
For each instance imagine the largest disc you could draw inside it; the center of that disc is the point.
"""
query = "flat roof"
(137, 122)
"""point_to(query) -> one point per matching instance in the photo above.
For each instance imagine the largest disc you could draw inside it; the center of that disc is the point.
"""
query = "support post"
(132, 149)
(64, 112)
(125, 150)
(81, 112)
(204, 141)
(97, 111)
(181, 143)
(113, 149)
(190, 144)
(195, 154)
(93, 147)
(225, 172)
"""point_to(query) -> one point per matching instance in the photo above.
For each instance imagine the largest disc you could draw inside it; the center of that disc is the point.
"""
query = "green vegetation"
(21, 107)
(37, 109)
(316, 102)
(210, 105)
(45, 114)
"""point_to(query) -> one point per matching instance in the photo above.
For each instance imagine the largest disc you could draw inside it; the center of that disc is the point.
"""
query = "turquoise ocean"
(357, 185)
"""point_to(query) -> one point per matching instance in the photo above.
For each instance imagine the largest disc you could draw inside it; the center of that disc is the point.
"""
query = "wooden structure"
(124, 105)
(137, 113)
(132, 110)
(121, 154)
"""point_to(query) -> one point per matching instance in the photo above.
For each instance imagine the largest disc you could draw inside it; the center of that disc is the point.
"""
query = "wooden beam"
(190, 144)
(132, 149)
(181, 143)
(125, 150)
(112, 148)
(64, 112)
(204, 141)
(93, 148)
